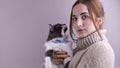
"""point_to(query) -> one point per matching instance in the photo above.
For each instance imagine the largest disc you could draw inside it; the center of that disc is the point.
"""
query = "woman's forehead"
(79, 8)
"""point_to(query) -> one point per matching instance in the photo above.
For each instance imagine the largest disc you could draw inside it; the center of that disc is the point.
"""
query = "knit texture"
(93, 52)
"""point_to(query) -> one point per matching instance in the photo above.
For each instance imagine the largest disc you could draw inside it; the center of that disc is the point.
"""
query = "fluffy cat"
(57, 40)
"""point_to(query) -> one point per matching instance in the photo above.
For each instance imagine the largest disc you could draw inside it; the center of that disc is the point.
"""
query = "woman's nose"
(79, 22)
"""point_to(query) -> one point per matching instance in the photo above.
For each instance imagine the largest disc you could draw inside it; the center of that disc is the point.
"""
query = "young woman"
(92, 47)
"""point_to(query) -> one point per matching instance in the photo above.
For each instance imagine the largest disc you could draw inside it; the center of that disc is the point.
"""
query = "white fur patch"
(65, 46)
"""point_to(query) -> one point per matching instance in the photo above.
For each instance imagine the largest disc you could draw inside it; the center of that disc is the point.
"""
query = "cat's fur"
(57, 40)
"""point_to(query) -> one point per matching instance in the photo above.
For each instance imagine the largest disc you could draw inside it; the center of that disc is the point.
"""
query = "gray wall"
(24, 29)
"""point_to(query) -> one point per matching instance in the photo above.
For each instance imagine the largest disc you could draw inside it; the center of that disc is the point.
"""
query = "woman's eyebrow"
(73, 16)
(84, 13)
(80, 14)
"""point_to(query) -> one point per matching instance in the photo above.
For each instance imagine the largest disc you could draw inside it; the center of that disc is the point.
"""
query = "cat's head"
(57, 30)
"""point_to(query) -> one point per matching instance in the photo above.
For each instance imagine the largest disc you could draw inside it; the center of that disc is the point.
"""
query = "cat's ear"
(51, 27)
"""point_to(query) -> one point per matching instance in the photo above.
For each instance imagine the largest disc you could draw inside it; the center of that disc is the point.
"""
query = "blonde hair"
(94, 7)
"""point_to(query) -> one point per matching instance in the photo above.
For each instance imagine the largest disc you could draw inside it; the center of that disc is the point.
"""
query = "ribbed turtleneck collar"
(85, 42)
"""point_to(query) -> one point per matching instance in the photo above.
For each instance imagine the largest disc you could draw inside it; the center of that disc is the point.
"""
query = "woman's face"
(81, 21)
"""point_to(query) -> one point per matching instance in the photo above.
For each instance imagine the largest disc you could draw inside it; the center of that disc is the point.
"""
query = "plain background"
(24, 29)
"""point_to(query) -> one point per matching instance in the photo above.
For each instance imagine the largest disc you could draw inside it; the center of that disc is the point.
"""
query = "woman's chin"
(82, 35)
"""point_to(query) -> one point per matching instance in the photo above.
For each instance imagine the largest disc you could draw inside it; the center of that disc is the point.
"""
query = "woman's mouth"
(81, 30)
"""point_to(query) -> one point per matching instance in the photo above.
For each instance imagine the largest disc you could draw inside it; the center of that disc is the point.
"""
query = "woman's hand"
(59, 56)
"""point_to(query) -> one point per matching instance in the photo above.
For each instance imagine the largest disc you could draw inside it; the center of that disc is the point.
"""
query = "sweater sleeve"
(101, 57)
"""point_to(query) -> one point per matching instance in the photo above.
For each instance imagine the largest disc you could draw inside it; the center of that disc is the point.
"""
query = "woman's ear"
(100, 21)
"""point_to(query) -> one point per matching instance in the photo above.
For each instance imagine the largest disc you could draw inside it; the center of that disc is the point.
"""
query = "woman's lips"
(81, 30)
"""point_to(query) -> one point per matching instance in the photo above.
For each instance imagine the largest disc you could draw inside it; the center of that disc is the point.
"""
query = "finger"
(58, 61)
(60, 52)
(61, 56)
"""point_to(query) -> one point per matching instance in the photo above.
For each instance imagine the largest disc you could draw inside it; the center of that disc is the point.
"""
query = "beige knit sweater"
(92, 52)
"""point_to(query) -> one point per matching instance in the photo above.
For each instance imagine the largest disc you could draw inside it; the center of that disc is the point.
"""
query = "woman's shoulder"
(101, 55)
(102, 48)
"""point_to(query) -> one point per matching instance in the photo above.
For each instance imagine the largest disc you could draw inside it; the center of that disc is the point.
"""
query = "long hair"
(94, 8)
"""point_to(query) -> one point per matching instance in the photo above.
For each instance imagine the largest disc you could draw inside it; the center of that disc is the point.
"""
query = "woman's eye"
(84, 17)
(74, 19)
